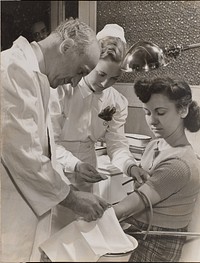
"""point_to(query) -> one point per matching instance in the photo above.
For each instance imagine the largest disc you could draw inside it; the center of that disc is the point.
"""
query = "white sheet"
(87, 242)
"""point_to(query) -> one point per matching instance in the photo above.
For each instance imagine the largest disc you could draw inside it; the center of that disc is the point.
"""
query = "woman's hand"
(88, 173)
(139, 174)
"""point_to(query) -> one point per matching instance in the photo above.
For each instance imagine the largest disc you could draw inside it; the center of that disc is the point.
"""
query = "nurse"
(32, 182)
(92, 111)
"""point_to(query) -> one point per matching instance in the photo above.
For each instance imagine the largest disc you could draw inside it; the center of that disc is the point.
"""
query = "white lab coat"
(77, 127)
(31, 186)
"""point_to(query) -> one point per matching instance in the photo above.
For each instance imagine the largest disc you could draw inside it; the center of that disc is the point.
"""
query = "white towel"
(88, 241)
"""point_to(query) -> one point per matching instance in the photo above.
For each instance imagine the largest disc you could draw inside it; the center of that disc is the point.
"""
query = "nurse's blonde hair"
(112, 47)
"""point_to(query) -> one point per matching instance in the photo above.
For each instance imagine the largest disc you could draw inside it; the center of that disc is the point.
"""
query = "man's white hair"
(80, 32)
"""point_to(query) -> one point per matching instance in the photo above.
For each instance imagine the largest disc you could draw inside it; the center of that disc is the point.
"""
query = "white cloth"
(37, 187)
(86, 242)
(74, 113)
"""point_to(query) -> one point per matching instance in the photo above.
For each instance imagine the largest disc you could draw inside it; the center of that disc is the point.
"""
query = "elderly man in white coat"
(32, 183)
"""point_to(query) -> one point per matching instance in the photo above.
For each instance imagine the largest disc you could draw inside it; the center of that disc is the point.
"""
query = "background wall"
(162, 22)
(19, 16)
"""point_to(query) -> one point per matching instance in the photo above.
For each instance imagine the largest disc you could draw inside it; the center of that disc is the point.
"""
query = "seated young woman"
(91, 111)
(169, 159)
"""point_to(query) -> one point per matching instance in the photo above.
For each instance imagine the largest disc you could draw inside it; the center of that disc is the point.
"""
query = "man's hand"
(139, 174)
(86, 205)
(88, 173)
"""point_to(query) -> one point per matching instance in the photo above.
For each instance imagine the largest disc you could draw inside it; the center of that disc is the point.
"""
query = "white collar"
(26, 47)
(37, 50)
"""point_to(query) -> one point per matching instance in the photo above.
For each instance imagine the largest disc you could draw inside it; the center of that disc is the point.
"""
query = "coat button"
(105, 123)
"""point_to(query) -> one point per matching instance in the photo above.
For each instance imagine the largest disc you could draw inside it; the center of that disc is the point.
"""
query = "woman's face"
(104, 75)
(162, 116)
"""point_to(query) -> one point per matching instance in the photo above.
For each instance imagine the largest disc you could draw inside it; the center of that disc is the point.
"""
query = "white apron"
(84, 151)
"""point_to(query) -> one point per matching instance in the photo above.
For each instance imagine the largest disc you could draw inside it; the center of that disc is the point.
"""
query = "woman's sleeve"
(169, 177)
(22, 153)
(116, 141)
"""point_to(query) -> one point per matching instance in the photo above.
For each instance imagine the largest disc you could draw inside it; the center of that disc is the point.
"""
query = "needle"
(130, 180)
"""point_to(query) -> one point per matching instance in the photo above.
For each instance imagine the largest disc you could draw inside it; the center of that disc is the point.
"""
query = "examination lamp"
(146, 56)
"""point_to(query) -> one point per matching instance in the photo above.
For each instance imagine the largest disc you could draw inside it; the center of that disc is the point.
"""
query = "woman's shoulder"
(182, 156)
(165, 151)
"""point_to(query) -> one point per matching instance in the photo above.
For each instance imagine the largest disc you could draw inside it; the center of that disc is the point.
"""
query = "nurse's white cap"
(112, 30)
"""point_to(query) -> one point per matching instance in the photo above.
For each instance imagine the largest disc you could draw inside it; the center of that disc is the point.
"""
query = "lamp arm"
(145, 56)
(191, 46)
(175, 50)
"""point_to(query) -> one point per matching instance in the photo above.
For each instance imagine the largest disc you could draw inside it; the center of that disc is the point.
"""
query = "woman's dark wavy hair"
(176, 90)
